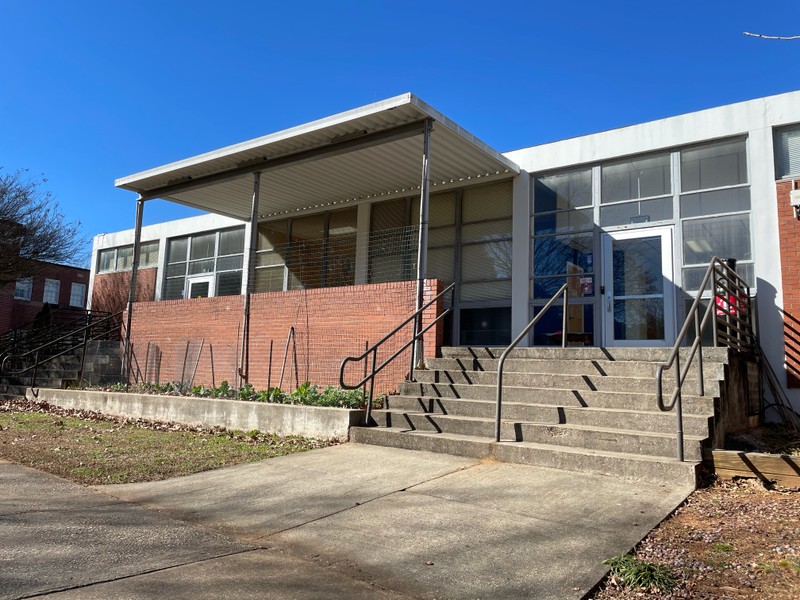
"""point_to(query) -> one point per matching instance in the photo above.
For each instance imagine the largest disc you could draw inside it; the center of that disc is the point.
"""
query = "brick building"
(62, 287)
(311, 222)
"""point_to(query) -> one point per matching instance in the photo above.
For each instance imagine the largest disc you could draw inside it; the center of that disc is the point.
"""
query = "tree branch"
(772, 37)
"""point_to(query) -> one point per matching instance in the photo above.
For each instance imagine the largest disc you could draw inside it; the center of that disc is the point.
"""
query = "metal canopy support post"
(417, 353)
(249, 274)
(137, 247)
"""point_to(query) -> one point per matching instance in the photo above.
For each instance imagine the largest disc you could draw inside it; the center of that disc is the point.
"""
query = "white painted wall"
(755, 119)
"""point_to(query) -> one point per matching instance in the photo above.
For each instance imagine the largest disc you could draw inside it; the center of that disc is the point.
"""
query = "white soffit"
(299, 172)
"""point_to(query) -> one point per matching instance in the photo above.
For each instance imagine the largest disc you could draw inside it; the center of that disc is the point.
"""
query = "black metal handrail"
(563, 290)
(35, 352)
(731, 305)
(30, 334)
(373, 350)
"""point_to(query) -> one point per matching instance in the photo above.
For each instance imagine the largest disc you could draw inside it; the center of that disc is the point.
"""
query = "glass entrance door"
(638, 290)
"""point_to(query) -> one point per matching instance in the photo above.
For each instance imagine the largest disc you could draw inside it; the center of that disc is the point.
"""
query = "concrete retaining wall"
(283, 419)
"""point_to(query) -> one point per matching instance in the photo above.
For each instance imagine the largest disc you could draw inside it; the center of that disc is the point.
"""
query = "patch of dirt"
(733, 539)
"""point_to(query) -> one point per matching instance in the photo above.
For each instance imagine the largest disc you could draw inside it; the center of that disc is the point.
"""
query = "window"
(52, 288)
(715, 208)
(218, 254)
(631, 179)
(77, 295)
(787, 152)
(24, 288)
(121, 258)
(713, 165)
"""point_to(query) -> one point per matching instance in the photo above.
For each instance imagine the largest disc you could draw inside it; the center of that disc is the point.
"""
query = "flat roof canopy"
(370, 152)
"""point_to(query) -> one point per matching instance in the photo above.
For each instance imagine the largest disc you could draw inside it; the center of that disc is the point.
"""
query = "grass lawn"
(91, 448)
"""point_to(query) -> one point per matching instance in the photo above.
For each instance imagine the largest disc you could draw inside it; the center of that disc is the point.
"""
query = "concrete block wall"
(330, 324)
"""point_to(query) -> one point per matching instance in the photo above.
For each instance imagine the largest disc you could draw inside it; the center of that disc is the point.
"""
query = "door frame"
(667, 272)
(206, 277)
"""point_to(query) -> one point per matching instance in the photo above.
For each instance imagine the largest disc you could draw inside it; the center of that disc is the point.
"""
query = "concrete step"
(590, 382)
(631, 419)
(533, 395)
(630, 368)
(692, 405)
(618, 464)
(581, 353)
(583, 436)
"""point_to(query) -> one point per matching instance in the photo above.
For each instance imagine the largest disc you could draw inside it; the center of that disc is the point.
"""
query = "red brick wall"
(330, 324)
(19, 313)
(789, 231)
(110, 291)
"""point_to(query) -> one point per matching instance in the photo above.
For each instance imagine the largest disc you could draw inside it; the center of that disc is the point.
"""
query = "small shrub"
(636, 573)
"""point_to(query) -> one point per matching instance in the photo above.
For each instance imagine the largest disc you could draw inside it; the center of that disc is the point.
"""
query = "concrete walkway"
(350, 521)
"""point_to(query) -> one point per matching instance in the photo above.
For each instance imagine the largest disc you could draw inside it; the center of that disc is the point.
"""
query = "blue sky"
(92, 91)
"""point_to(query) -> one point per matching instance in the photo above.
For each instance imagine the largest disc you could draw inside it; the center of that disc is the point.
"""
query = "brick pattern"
(789, 232)
(329, 324)
(110, 291)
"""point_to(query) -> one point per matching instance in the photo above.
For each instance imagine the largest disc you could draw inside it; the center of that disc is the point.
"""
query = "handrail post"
(564, 319)
(699, 352)
(498, 409)
(368, 415)
(35, 368)
(678, 405)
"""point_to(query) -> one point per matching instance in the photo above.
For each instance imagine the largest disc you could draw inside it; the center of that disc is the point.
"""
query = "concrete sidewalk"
(348, 521)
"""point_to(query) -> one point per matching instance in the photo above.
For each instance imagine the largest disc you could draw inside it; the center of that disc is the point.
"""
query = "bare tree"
(33, 229)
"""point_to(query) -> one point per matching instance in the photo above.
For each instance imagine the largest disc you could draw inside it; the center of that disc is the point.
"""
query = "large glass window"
(121, 258)
(641, 177)
(715, 209)
(219, 254)
(787, 152)
(713, 165)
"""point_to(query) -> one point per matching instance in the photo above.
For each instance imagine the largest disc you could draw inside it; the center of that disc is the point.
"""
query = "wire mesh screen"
(316, 302)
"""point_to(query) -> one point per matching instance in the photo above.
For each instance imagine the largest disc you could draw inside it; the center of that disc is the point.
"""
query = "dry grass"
(91, 448)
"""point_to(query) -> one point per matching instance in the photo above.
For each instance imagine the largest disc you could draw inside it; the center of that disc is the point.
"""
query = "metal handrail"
(728, 311)
(373, 350)
(562, 290)
(36, 351)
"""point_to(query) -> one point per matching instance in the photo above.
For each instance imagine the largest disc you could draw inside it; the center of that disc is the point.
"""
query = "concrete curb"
(283, 419)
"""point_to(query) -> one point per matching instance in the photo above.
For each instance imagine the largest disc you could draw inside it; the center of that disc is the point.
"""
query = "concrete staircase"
(55, 373)
(578, 409)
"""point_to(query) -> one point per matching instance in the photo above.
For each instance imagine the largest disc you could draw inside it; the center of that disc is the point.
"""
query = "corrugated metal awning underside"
(370, 152)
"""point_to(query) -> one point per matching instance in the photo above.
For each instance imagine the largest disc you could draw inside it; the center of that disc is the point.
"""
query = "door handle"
(608, 304)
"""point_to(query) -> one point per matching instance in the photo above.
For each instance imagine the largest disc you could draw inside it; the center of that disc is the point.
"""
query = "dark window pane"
(485, 326)
(560, 222)
(389, 215)
(203, 246)
(177, 250)
(231, 241)
(562, 191)
(562, 255)
(341, 261)
(272, 235)
(229, 284)
(173, 288)
(580, 286)
(269, 280)
(580, 325)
